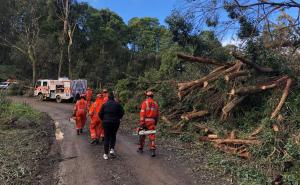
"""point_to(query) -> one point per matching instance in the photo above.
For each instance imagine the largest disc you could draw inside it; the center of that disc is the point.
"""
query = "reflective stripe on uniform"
(149, 119)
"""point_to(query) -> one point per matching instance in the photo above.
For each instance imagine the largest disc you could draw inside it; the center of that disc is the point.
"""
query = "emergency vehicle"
(61, 89)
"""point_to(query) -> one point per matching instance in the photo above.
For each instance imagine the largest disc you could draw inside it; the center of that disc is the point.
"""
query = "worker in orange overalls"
(89, 95)
(148, 120)
(80, 111)
(96, 128)
(105, 95)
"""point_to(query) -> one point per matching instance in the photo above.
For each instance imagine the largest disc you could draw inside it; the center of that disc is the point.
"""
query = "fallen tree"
(257, 88)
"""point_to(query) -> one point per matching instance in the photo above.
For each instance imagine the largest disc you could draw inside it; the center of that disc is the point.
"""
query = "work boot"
(93, 141)
(153, 153)
(97, 141)
(81, 130)
(112, 153)
(105, 156)
(78, 132)
(140, 150)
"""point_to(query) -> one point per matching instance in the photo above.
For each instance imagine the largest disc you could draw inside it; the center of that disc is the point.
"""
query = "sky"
(128, 9)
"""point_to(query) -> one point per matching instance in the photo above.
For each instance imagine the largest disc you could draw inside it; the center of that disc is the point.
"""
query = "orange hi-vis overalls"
(80, 113)
(148, 119)
(89, 94)
(96, 128)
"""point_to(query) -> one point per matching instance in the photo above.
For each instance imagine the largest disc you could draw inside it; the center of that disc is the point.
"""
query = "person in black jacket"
(110, 114)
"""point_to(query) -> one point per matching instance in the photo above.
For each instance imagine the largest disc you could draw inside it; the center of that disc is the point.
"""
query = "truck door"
(45, 88)
(37, 89)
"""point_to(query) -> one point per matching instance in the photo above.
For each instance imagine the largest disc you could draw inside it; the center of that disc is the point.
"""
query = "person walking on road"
(89, 94)
(79, 113)
(111, 113)
(148, 120)
(96, 128)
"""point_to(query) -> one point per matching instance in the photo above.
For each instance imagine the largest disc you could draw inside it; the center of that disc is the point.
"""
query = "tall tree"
(25, 29)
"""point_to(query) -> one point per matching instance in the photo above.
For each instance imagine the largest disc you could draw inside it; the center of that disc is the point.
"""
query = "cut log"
(166, 120)
(235, 75)
(229, 106)
(237, 141)
(186, 85)
(256, 131)
(231, 69)
(240, 151)
(251, 64)
(231, 135)
(212, 136)
(193, 115)
(283, 98)
(204, 128)
(256, 89)
(275, 127)
(201, 60)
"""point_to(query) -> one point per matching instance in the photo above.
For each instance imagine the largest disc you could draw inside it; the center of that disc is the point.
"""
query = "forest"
(241, 100)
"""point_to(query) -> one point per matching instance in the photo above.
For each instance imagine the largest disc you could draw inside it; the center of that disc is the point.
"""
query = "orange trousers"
(96, 129)
(80, 119)
(149, 126)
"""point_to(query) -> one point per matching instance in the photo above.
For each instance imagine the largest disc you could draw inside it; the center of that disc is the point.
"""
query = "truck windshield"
(38, 84)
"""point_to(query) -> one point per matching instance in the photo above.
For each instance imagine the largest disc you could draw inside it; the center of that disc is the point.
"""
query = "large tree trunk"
(60, 63)
(32, 59)
(255, 89)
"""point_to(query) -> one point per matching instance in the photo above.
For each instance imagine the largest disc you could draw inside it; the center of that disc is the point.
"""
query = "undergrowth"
(25, 140)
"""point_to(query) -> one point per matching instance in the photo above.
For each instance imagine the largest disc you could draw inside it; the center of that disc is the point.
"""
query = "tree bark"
(256, 89)
(283, 98)
(60, 63)
(201, 60)
(231, 69)
(235, 75)
(237, 141)
(193, 115)
(229, 106)
(199, 82)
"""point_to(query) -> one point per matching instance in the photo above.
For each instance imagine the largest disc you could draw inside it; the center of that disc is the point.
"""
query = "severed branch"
(186, 85)
(230, 105)
(235, 75)
(251, 64)
(198, 59)
(193, 115)
(283, 98)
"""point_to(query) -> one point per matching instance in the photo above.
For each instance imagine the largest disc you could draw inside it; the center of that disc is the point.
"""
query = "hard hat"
(105, 91)
(149, 93)
(99, 95)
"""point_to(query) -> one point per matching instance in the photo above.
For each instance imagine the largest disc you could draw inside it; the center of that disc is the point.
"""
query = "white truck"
(61, 89)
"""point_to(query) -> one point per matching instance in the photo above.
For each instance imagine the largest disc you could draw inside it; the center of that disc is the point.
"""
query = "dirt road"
(82, 163)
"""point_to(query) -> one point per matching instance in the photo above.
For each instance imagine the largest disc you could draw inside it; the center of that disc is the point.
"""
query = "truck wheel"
(41, 97)
(58, 99)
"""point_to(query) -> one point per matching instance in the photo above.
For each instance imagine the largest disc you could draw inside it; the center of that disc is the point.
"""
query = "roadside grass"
(25, 140)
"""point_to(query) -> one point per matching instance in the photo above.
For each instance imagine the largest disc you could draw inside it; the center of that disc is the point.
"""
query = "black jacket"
(111, 112)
